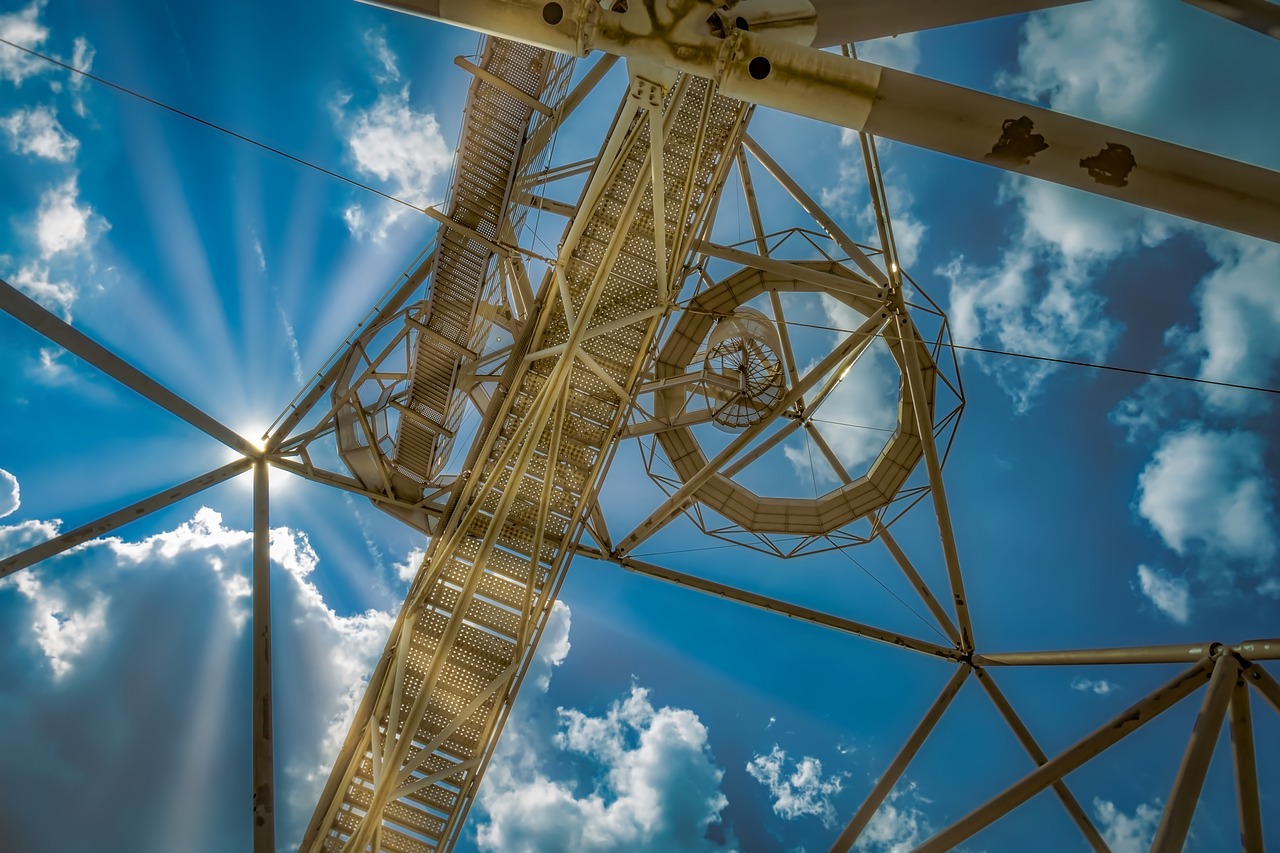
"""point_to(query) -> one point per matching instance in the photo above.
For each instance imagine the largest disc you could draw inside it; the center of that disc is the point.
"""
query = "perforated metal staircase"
(513, 95)
(423, 737)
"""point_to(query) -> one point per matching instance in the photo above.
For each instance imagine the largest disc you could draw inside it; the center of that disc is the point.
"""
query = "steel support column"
(1042, 777)
(264, 818)
(1245, 763)
(909, 340)
(1176, 820)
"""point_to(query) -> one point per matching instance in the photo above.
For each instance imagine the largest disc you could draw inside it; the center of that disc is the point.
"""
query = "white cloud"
(897, 826)
(1101, 687)
(1239, 312)
(125, 647)
(1207, 488)
(1145, 412)
(1124, 833)
(1131, 67)
(51, 369)
(24, 28)
(62, 627)
(1087, 63)
(37, 132)
(654, 783)
(63, 225)
(259, 255)
(393, 142)
(1037, 299)
(35, 281)
(553, 648)
(398, 144)
(801, 792)
(24, 534)
(376, 42)
(408, 570)
(658, 787)
(1170, 595)
(10, 494)
(81, 58)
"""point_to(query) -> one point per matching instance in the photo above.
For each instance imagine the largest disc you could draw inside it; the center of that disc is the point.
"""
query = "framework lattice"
(485, 410)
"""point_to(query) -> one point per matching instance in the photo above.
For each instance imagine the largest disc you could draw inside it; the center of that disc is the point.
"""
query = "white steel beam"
(815, 211)
(542, 135)
(121, 517)
(1266, 685)
(764, 69)
(498, 83)
(1075, 756)
(773, 605)
(1176, 653)
(1024, 736)
(856, 286)
(842, 21)
(1260, 15)
(889, 778)
(39, 319)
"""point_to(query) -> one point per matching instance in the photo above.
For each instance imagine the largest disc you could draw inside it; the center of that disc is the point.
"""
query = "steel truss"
(603, 349)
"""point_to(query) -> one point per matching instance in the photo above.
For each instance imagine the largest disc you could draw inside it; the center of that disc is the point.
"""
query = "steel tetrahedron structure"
(483, 398)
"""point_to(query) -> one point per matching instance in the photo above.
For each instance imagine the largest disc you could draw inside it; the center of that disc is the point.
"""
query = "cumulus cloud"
(1170, 595)
(1113, 78)
(63, 224)
(24, 534)
(1038, 297)
(62, 627)
(138, 646)
(37, 132)
(10, 494)
(1206, 488)
(1101, 687)
(1239, 313)
(659, 786)
(392, 141)
(1127, 833)
(800, 792)
(400, 146)
(1132, 67)
(22, 27)
(653, 782)
(552, 649)
(898, 825)
(35, 281)
(408, 570)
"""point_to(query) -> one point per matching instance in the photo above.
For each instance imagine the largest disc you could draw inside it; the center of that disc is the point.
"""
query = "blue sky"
(1092, 509)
